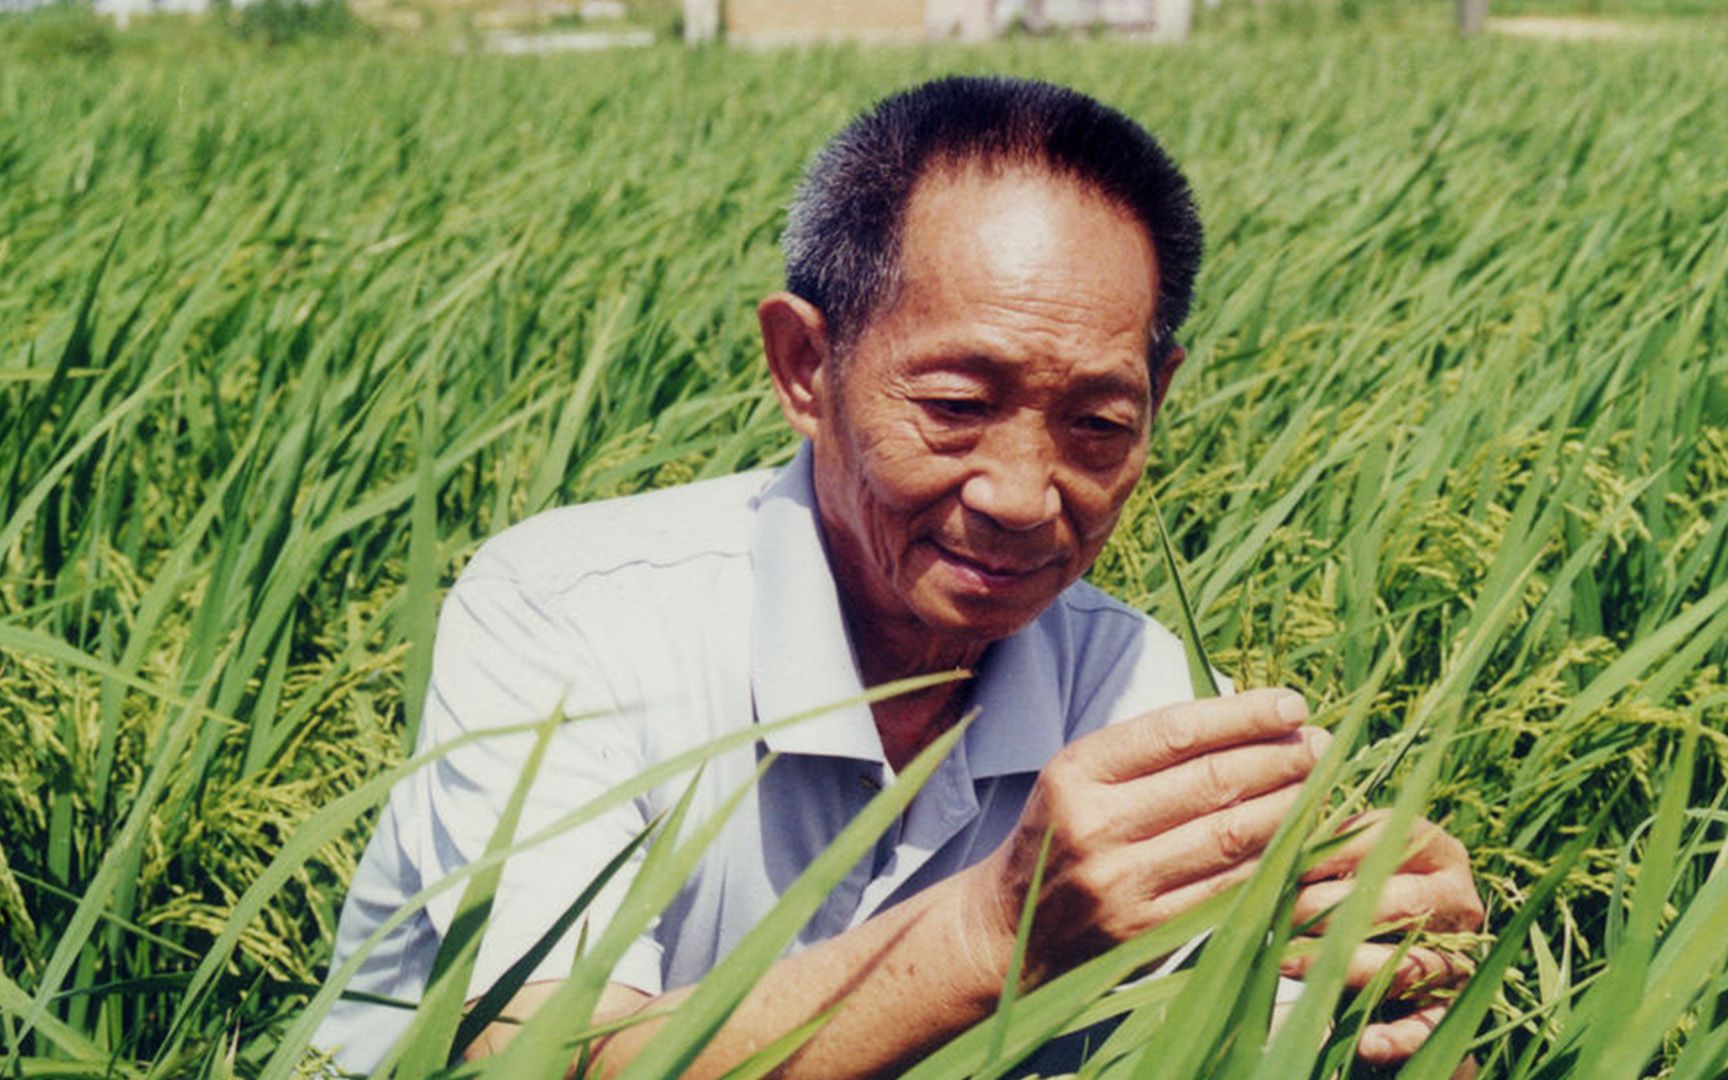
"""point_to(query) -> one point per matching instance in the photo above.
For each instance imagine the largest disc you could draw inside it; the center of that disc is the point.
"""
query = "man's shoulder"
(1120, 658)
(1087, 607)
(558, 549)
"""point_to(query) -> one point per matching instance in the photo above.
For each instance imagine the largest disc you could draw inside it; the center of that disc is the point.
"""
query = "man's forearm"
(904, 982)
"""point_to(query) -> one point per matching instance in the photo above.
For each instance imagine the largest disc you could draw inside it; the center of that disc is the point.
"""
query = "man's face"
(977, 446)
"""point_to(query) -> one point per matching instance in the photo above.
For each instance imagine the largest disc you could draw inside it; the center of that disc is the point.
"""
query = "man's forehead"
(975, 175)
(1023, 234)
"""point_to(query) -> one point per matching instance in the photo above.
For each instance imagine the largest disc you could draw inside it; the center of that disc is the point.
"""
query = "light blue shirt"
(676, 617)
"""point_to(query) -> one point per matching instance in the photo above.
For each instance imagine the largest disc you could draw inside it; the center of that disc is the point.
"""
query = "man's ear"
(1166, 372)
(795, 340)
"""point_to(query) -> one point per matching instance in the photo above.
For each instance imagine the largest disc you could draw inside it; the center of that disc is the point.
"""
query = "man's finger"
(1440, 902)
(1420, 970)
(1212, 782)
(1214, 842)
(1167, 905)
(1428, 848)
(1176, 733)
(1391, 1041)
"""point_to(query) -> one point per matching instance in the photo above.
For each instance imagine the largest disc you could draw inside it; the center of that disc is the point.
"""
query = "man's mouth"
(993, 571)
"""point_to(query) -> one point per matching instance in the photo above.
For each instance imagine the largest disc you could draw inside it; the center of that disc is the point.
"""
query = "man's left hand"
(1432, 890)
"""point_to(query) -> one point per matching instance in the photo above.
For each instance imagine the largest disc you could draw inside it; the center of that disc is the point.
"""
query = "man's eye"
(954, 409)
(1102, 425)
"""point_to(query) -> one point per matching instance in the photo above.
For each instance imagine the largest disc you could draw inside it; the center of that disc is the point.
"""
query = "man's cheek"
(890, 444)
(1099, 507)
(1098, 529)
(902, 482)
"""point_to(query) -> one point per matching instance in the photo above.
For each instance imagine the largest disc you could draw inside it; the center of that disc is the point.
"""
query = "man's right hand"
(1147, 818)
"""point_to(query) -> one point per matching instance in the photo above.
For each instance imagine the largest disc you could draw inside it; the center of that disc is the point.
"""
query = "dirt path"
(1574, 28)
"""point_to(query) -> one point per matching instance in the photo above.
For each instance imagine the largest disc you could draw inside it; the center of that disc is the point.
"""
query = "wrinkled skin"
(975, 446)
(973, 450)
(1152, 816)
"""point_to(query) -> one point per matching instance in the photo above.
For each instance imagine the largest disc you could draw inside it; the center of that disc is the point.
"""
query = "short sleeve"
(1127, 664)
(504, 657)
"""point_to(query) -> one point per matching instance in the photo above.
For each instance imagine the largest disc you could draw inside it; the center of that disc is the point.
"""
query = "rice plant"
(283, 337)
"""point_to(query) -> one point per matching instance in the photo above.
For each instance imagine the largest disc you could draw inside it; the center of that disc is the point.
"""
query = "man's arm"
(1147, 818)
(910, 978)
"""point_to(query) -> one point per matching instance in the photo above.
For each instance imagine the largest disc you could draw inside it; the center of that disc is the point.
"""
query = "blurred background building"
(784, 21)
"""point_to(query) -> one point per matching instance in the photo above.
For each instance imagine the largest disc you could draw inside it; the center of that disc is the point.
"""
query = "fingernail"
(1291, 707)
(1318, 739)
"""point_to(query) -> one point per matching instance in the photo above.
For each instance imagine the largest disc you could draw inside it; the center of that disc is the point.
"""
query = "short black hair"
(842, 240)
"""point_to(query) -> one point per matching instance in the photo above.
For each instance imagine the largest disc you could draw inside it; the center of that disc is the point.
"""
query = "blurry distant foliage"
(61, 29)
(285, 333)
(77, 30)
(277, 22)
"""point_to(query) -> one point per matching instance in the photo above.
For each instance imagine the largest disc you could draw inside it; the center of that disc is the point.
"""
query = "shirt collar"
(801, 656)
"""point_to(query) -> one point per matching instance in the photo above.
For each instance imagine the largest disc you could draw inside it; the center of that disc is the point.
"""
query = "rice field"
(285, 334)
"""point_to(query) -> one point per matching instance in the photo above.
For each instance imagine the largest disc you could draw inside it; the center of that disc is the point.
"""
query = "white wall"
(1075, 13)
(123, 10)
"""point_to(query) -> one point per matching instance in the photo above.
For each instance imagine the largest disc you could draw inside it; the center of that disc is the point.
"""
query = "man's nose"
(1014, 484)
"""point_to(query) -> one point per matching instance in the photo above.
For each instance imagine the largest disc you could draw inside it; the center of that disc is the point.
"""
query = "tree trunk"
(1472, 16)
(1172, 19)
(701, 21)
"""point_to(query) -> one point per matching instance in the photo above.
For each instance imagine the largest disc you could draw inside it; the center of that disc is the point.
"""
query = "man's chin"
(974, 621)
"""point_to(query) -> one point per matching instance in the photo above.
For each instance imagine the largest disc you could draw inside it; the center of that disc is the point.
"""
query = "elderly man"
(985, 279)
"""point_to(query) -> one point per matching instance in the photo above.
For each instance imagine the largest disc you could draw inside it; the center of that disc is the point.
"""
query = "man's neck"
(909, 722)
(885, 657)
